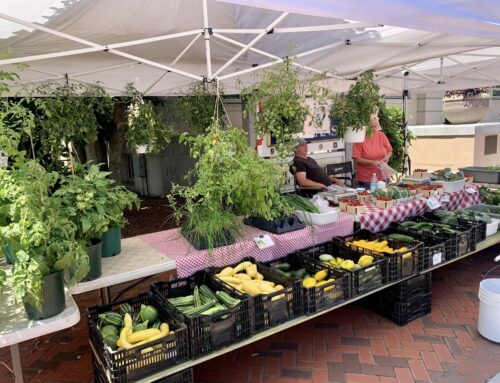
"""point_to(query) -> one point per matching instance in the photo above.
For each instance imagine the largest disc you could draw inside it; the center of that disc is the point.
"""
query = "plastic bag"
(319, 201)
(386, 170)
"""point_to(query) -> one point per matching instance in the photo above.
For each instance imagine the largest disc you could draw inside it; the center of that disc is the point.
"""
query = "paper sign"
(445, 198)
(3, 160)
(263, 241)
(437, 258)
(433, 203)
(471, 190)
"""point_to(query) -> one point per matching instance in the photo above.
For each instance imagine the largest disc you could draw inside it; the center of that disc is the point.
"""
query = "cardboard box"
(431, 193)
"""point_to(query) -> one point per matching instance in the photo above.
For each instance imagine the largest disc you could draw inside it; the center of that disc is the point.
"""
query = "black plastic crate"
(404, 291)
(464, 241)
(127, 365)
(434, 250)
(275, 308)
(206, 332)
(479, 227)
(318, 298)
(277, 226)
(362, 280)
(402, 313)
(184, 376)
(399, 264)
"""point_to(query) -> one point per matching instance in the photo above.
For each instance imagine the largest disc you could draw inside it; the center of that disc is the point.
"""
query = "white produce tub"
(491, 228)
(327, 215)
(450, 187)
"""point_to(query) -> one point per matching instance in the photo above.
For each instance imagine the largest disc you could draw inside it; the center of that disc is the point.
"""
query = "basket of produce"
(421, 173)
(487, 174)
(310, 213)
(434, 249)
(321, 287)
(276, 298)
(479, 221)
(398, 195)
(402, 256)
(366, 272)
(351, 206)
(214, 317)
(430, 190)
(364, 196)
(490, 196)
(451, 182)
(135, 337)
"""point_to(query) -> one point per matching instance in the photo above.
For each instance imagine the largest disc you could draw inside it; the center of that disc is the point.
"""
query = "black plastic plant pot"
(277, 226)
(111, 242)
(94, 253)
(202, 244)
(9, 254)
(54, 301)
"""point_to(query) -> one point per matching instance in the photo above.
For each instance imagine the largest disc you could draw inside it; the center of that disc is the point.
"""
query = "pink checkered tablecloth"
(461, 199)
(379, 219)
(189, 260)
(376, 219)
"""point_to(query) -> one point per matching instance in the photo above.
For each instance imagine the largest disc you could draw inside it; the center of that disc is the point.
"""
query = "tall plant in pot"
(43, 239)
(353, 108)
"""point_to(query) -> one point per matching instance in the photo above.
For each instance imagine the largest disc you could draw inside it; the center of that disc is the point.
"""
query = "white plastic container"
(491, 228)
(450, 187)
(327, 215)
(489, 309)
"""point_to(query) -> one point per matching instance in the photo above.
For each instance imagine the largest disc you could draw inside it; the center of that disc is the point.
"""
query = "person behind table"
(307, 171)
(369, 154)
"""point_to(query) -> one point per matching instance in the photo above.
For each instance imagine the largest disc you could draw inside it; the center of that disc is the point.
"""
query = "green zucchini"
(111, 318)
(226, 299)
(207, 293)
(198, 310)
(401, 237)
(188, 300)
(196, 296)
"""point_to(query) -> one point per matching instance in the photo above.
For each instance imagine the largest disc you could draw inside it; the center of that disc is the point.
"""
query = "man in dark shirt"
(307, 171)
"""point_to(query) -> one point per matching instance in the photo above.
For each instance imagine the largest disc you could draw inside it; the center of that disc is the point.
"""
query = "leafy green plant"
(145, 127)
(229, 179)
(353, 108)
(41, 235)
(391, 121)
(197, 107)
(277, 100)
(93, 201)
(68, 114)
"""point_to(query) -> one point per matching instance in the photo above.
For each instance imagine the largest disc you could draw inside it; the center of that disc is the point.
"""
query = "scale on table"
(337, 192)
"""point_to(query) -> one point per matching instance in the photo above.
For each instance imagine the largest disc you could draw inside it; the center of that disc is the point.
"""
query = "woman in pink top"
(369, 154)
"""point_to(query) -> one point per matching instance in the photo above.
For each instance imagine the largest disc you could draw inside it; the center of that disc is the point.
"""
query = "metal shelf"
(490, 241)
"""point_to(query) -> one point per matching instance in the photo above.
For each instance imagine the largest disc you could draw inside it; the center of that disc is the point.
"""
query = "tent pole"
(206, 34)
(406, 168)
(314, 28)
(254, 41)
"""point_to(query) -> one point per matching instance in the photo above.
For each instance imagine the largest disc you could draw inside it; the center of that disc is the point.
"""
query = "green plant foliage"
(391, 121)
(145, 126)
(353, 108)
(229, 179)
(93, 201)
(277, 100)
(68, 113)
(42, 236)
(197, 107)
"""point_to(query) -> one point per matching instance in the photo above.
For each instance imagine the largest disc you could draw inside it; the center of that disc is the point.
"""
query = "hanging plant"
(196, 108)
(145, 127)
(277, 101)
(68, 114)
(354, 108)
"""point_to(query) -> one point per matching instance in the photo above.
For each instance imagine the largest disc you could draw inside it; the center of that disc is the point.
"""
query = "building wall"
(481, 159)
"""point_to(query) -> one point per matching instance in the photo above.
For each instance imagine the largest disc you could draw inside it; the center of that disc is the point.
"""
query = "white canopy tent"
(162, 46)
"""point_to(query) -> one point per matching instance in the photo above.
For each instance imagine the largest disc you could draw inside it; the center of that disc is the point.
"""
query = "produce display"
(320, 278)
(246, 279)
(489, 196)
(346, 264)
(204, 301)
(379, 247)
(431, 227)
(446, 175)
(452, 218)
(298, 202)
(392, 193)
(128, 328)
(493, 168)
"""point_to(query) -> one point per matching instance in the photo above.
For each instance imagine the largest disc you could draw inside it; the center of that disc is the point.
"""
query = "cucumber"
(226, 299)
(207, 293)
(188, 300)
(217, 308)
(198, 310)
(401, 237)
(283, 266)
(196, 296)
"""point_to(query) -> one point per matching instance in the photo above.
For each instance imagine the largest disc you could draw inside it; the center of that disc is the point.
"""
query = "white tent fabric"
(162, 46)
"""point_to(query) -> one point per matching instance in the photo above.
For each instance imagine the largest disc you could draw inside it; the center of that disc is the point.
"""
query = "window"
(490, 144)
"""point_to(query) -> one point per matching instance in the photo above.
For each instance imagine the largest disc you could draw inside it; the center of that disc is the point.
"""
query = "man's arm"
(302, 180)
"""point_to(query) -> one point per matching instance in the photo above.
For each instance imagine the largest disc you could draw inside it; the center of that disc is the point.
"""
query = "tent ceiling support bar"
(104, 69)
(441, 78)
(206, 35)
(235, 42)
(155, 39)
(146, 91)
(155, 64)
(420, 75)
(250, 44)
(386, 77)
(249, 70)
(315, 28)
(49, 56)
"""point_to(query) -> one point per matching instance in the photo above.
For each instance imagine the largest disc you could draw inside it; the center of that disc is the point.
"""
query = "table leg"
(16, 363)
(105, 294)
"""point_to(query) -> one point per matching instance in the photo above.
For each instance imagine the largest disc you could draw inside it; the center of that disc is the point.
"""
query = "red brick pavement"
(350, 344)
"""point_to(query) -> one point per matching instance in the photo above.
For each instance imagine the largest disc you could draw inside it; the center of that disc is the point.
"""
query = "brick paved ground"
(351, 344)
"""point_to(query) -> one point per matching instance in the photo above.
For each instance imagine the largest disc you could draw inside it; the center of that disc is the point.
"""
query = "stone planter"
(466, 109)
